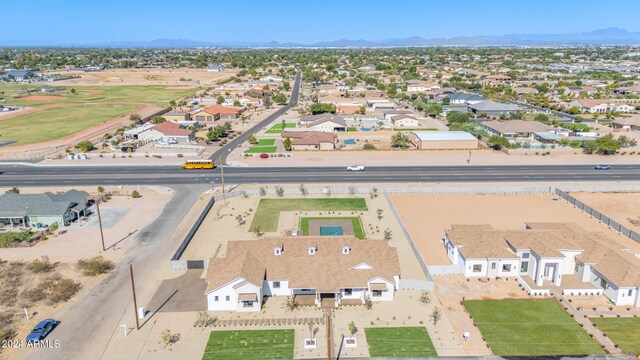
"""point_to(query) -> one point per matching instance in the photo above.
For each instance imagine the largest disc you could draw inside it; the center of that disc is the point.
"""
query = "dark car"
(602, 167)
(41, 330)
(264, 156)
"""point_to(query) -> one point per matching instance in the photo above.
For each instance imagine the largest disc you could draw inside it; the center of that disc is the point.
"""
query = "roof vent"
(277, 251)
(345, 250)
(312, 250)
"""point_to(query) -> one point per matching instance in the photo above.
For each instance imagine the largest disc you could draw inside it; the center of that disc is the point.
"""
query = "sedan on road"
(41, 330)
(602, 167)
(355, 168)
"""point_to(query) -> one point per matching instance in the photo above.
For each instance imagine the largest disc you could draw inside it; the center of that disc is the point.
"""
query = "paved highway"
(25, 175)
(220, 156)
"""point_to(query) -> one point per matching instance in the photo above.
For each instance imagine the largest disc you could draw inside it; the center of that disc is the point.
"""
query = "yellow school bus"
(198, 164)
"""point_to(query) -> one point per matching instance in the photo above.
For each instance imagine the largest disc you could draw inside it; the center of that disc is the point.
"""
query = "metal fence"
(613, 225)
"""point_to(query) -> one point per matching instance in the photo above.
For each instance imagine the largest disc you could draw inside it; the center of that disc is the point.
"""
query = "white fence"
(435, 270)
(412, 284)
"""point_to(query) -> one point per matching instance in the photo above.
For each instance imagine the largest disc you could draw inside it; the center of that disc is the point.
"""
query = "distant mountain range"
(609, 36)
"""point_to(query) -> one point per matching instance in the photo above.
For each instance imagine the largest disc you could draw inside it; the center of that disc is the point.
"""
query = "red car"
(264, 156)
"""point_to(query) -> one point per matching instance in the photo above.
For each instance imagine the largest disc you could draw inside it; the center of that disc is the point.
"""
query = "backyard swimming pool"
(330, 230)
(349, 142)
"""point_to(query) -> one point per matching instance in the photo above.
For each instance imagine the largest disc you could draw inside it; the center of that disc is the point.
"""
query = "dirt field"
(190, 77)
(40, 98)
(427, 216)
(622, 207)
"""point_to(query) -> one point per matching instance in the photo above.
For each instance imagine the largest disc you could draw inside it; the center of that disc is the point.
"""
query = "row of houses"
(548, 256)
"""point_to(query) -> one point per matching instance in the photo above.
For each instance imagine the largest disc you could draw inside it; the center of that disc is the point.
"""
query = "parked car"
(41, 330)
(602, 167)
(264, 156)
(355, 168)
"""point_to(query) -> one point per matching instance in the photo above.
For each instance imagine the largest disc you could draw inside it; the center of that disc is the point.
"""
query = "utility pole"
(135, 302)
(100, 223)
(222, 173)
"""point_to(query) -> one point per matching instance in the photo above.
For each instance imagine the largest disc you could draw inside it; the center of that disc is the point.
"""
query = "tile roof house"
(311, 140)
(326, 122)
(546, 256)
(217, 112)
(46, 209)
(514, 129)
(167, 130)
(600, 106)
(326, 271)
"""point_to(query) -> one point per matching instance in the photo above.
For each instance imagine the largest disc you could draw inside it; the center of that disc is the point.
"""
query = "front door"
(549, 272)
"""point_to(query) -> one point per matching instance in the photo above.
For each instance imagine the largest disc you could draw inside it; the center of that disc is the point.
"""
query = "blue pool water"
(349, 142)
(330, 230)
(365, 129)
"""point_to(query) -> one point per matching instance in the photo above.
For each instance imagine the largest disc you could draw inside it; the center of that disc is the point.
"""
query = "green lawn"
(350, 128)
(575, 126)
(357, 225)
(625, 332)
(529, 328)
(278, 128)
(265, 142)
(250, 345)
(268, 211)
(154, 94)
(55, 123)
(399, 342)
(261, 149)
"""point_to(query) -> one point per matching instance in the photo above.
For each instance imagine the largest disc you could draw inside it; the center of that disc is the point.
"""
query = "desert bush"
(135, 194)
(95, 266)
(40, 266)
(58, 289)
(34, 294)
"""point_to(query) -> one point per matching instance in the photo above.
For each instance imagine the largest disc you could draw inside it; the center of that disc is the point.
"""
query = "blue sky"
(95, 21)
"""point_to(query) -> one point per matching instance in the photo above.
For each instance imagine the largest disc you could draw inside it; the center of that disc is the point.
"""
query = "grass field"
(625, 332)
(268, 211)
(261, 149)
(55, 123)
(265, 142)
(357, 225)
(575, 126)
(351, 128)
(529, 328)
(156, 95)
(249, 345)
(399, 342)
(277, 128)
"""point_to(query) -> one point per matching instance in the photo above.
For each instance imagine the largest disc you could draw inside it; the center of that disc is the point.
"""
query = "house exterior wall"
(327, 146)
(448, 144)
(269, 290)
(386, 295)
(48, 220)
(304, 147)
(406, 123)
(469, 264)
(233, 304)
(356, 293)
(328, 126)
(248, 288)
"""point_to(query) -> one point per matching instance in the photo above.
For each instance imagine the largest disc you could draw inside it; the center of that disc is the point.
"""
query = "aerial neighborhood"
(470, 196)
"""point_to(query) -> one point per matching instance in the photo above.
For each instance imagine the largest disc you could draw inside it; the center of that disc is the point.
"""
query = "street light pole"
(135, 302)
(100, 223)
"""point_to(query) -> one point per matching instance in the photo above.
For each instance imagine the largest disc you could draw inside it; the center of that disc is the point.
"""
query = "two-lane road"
(21, 175)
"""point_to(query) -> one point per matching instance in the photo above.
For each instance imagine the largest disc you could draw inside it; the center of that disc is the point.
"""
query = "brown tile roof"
(219, 109)
(517, 126)
(172, 129)
(327, 270)
(309, 137)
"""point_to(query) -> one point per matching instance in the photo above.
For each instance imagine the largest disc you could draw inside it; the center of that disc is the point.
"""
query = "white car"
(355, 168)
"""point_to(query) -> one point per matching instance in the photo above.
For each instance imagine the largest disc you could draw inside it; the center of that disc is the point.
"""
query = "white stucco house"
(548, 256)
(317, 271)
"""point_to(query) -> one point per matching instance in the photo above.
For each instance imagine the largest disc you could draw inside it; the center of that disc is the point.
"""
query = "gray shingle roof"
(20, 205)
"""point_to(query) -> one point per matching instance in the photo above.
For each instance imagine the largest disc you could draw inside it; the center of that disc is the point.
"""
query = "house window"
(305, 290)
(603, 284)
(493, 266)
(348, 292)
(377, 293)
(276, 284)
(477, 267)
(578, 267)
(227, 298)
(524, 267)
(630, 292)
(215, 298)
(525, 255)
(247, 304)
(506, 268)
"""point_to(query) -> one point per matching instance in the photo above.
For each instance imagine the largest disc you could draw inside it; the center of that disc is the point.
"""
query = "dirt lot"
(427, 216)
(622, 207)
(190, 77)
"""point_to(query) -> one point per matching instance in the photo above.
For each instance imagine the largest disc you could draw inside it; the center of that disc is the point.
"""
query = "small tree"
(498, 142)
(240, 220)
(425, 298)
(291, 304)
(368, 146)
(279, 190)
(203, 320)
(100, 190)
(220, 100)
(169, 338)
(352, 328)
(256, 230)
(303, 190)
(84, 146)
(251, 139)
(368, 304)
(287, 144)
(373, 193)
(262, 191)
(435, 316)
(135, 194)
(387, 234)
(379, 211)
(73, 91)
(134, 117)
(14, 190)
